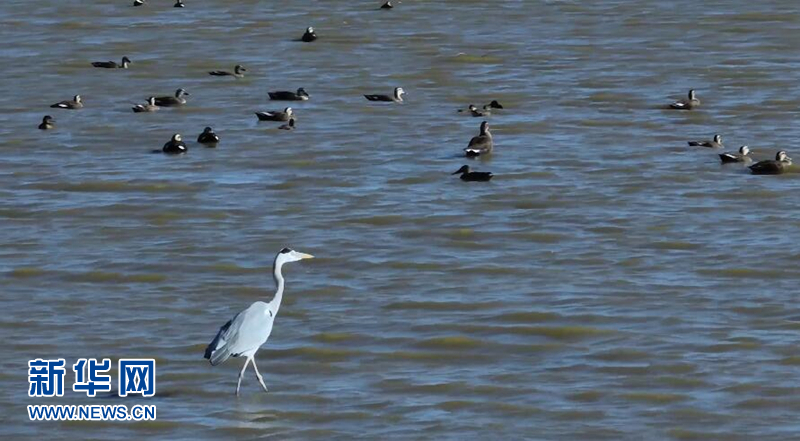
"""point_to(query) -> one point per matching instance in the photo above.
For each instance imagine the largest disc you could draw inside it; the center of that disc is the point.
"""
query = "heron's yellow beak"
(305, 256)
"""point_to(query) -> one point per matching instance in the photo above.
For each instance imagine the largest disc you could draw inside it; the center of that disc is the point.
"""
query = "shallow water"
(609, 283)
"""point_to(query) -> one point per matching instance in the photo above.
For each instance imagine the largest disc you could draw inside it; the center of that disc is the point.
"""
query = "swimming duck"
(149, 107)
(285, 95)
(113, 64)
(387, 5)
(175, 146)
(468, 175)
(481, 144)
(397, 97)
(170, 101)
(208, 137)
(777, 166)
(289, 126)
(47, 123)
(714, 144)
(687, 104)
(493, 105)
(237, 72)
(476, 113)
(75, 103)
(178, 4)
(286, 115)
(309, 36)
(138, 2)
(728, 158)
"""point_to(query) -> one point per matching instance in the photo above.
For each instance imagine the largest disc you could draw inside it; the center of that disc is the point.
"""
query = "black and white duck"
(284, 116)
(397, 97)
(777, 166)
(742, 156)
(285, 95)
(75, 103)
(172, 101)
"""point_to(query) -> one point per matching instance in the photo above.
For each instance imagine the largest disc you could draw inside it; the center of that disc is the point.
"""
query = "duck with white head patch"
(172, 101)
(75, 103)
(687, 104)
(713, 144)
(777, 166)
(276, 115)
(150, 106)
(397, 97)
(309, 35)
(742, 156)
(174, 146)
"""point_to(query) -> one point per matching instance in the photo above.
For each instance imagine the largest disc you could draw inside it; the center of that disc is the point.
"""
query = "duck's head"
(782, 157)
(496, 105)
(302, 92)
(463, 169)
(77, 99)
(177, 137)
(151, 100)
(48, 119)
(691, 94)
(239, 68)
(718, 139)
(472, 107)
(288, 111)
(484, 127)
(208, 130)
(744, 150)
(181, 92)
(126, 60)
(309, 30)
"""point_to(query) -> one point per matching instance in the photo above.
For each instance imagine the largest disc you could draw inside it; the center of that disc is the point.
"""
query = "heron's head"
(744, 150)
(290, 255)
(463, 169)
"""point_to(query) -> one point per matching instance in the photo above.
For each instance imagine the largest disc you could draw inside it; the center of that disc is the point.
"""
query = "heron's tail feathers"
(217, 351)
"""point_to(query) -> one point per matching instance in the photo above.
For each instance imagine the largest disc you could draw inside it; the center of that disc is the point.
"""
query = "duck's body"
(468, 175)
(47, 123)
(777, 166)
(397, 97)
(208, 137)
(742, 156)
(284, 116)
(285, 95)
(713, 144)
(75, 103)
(687, 104)
(493, 105)
(150, 106)
(172, 101)
(113, 64)
(237, 72)
(387, 5)
(288, 126)
(175, 146)
(309, 35)
(481, 144)
(138, 2)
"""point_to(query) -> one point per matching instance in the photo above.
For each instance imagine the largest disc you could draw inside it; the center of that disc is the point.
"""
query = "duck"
(397, 97)
(149, 107)
(309, 36)
(286, 115)
(237, 72)
(175, 146)
(468, 175)
(777, 166)
(714, 143)
(477, 113)
(138, 2)
(387, 5)
(113, 64)
(178, 4)
(728, 157)
(481, 144)
(687, 104)
(208, 137)
(47, 123)
(170, 101)
(75, 103)
(285, 95)
(289, 126)
(493, 105)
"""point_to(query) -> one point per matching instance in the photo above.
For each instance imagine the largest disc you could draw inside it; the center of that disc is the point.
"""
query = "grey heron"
(244, 334)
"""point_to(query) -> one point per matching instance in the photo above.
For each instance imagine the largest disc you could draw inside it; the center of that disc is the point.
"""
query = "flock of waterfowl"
(775, 166)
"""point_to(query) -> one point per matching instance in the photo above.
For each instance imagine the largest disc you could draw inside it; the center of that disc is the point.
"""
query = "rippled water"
(609, 283)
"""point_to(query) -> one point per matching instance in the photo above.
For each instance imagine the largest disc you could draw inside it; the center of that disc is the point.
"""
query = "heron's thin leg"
(241, 373)
(258, 375)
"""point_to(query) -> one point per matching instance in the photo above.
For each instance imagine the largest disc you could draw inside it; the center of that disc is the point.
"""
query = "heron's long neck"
(275, 304)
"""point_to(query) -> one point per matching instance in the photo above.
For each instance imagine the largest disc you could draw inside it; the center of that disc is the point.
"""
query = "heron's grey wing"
(246, 332)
